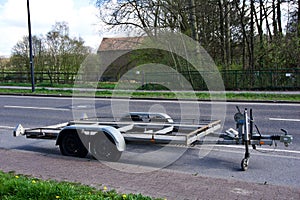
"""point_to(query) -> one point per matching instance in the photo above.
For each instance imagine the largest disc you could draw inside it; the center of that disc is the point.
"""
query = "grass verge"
(19, 187)
(160, 94)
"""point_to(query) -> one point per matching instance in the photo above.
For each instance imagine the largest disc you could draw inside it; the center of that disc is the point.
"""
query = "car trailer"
(106, 140)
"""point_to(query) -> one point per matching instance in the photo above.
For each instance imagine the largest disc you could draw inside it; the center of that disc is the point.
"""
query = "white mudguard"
(19, 130)
(93, 129)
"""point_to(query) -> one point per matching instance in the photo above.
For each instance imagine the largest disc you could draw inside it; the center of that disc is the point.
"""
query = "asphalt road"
(278, 167)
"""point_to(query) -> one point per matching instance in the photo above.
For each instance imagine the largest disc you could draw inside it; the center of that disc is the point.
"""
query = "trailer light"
(152, 139)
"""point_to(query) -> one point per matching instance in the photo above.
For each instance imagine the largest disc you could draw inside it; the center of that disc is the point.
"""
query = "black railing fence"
(40, 77)
(280, 79)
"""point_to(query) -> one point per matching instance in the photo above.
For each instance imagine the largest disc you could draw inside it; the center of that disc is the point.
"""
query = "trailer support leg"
(245, 161)
(246, 139)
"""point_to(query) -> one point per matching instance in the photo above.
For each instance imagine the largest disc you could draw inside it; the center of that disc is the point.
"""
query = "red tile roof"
(123, 43)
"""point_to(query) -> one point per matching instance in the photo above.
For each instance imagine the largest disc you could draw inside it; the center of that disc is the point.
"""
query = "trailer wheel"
(71, 145)
(244, 164)
(104, 148)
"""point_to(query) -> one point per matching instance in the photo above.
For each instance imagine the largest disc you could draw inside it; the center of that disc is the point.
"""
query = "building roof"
(117, 44)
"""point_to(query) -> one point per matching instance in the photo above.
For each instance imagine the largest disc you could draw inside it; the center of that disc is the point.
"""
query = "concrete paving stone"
(163, 183)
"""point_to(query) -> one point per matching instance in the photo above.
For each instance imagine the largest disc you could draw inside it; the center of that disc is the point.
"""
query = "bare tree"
(249, 33)
(56, 52)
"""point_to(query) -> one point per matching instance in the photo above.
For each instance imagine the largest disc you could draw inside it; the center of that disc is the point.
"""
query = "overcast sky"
(81, 16)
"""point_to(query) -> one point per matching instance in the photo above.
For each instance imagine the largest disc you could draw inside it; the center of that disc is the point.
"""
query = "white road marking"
(268, 154)
(37, 108)
(260, 149)
(241, 149)
(281, 119)
(259, 154)
(6, 127)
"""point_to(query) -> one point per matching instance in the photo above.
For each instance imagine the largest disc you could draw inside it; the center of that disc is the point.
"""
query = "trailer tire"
(71, 145)
(104, 148)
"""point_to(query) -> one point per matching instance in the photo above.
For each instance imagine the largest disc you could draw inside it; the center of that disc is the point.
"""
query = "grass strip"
(160, 94)
(19, 187)
(263, 97)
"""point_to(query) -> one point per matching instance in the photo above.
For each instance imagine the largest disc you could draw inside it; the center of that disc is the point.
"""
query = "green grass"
(19, 187)
(264, 97)
(108, 92)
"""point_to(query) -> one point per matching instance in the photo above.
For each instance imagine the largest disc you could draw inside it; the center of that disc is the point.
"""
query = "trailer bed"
(159, 133)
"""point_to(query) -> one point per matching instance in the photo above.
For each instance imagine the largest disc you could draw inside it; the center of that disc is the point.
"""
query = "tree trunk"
(279, 17)
(193, 21)
(275, 30)
(221, 18)
(251, 53)
(267, 23)
(246, 42)
(227, 35)
(298, 27)
(261, 34)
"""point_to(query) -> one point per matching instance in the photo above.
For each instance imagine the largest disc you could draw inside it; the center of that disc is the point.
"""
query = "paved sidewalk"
(162, 183)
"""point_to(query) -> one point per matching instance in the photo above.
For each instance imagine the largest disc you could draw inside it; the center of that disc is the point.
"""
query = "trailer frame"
(106, 140)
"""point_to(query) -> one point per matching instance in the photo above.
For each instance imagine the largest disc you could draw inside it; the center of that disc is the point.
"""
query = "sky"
(81, 16)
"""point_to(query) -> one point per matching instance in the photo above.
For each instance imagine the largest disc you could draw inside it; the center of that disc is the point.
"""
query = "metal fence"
(281, 79)
(40, 77)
